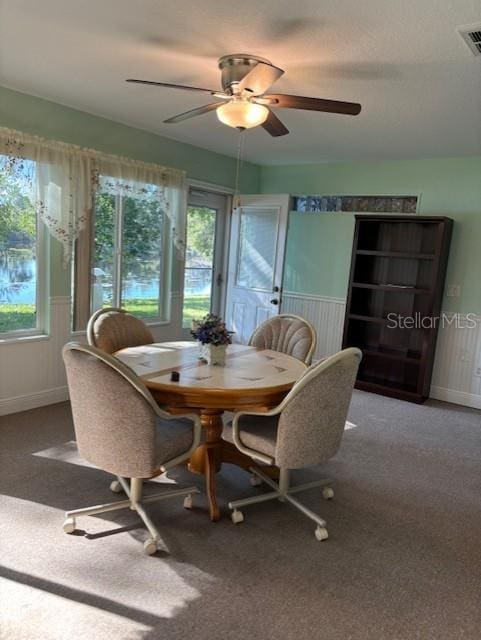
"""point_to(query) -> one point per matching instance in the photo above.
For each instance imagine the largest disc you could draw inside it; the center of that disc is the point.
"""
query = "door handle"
(275, 301)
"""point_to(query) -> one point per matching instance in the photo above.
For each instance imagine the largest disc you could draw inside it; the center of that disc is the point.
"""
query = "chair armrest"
(197, 432)
(252, 453)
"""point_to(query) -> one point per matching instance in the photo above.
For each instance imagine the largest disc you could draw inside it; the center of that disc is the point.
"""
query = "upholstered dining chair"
(304, 430)
(287, 333)
(120, 429)
(111, 329)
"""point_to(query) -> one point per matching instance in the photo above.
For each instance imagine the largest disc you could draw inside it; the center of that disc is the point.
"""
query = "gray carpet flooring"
(403, 560)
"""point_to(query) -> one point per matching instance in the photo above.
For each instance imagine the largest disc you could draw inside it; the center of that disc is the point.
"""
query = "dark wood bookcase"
(398, 269)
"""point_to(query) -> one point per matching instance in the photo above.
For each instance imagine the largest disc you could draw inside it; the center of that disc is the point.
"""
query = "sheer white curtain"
(120, 176)
(65, 178)
(59, 182)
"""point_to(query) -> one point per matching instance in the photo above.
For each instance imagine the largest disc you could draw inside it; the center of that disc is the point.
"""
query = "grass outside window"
(14, 317)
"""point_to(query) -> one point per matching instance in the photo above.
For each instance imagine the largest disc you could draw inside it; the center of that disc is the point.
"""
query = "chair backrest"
(113, 412)
(111, 329)
(313, 414)
(286, 333)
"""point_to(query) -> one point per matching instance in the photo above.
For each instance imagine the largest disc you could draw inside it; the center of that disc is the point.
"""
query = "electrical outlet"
(464, 355)
(453, 291)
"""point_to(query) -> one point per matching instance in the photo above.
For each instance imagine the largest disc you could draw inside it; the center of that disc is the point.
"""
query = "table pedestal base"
(207, 459)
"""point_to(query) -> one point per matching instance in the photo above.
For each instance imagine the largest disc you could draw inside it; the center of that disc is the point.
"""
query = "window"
(21, 268)
(129, 262)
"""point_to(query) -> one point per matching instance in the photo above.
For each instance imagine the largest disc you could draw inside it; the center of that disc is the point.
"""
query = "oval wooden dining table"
(252, 378)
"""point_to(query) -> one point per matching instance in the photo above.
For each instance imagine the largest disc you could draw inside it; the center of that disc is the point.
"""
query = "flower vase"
(214, 353)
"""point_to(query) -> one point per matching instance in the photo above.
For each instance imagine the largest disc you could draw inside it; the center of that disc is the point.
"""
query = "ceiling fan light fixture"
(242, 114)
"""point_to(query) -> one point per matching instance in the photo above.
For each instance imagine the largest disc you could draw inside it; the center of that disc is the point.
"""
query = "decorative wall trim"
(33, 400)
(406, 204)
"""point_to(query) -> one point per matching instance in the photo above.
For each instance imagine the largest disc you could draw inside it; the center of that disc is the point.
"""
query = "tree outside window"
(18, 248)
(129, 255)
(199, 263)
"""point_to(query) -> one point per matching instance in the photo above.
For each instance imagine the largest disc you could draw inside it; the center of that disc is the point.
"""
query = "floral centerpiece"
(214, 337)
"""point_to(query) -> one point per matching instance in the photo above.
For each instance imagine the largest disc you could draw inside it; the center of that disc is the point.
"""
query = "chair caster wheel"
(188, 502)
(321, 533)
(237, 516)
(150, 547)
(255, 480)
(327, 493)
(115, 486)
(69, 525)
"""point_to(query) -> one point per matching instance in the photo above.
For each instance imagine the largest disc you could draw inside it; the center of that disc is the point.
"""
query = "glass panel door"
(256, 262)
(204, 261)
(199, 263)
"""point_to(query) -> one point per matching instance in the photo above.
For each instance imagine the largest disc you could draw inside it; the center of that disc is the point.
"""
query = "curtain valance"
(64, 178)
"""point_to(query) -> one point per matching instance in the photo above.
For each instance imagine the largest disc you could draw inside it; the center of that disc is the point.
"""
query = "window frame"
(42, 289)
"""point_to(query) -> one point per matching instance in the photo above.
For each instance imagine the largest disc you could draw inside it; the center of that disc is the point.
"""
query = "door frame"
(221, 246)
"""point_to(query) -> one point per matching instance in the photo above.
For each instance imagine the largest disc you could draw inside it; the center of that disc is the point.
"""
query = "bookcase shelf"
(396, 254)
(398, 269)
(390, 287)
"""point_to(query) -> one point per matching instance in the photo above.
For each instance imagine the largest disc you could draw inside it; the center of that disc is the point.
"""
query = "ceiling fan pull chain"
(240, 153)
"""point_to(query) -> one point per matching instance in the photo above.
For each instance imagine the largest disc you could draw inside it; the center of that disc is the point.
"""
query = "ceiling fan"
(245, 80)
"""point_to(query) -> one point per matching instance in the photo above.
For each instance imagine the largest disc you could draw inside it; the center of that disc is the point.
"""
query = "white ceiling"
(418, 83)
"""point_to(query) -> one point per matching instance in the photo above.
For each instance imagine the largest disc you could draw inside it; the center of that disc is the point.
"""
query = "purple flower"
(211, 330)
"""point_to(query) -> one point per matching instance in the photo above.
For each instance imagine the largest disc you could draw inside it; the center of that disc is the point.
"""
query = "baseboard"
(456, 397)
(33, 400)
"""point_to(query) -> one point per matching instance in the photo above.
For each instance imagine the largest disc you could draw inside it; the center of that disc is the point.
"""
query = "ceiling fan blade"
(172, 86)
(192, 113)
(315, 104)
(260, 78)
(274, 126)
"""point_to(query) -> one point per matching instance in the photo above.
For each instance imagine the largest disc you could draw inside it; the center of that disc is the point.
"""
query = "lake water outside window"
(128, 254)
(18, 247)
(199, 263)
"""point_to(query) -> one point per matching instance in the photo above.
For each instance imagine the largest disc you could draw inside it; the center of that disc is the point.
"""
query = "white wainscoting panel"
(458, 350)
(458, 356)
(325, 314)
(31, 369)
(32, 372)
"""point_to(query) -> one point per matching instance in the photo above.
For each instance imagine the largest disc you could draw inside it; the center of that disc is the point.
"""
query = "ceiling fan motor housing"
(236, 66)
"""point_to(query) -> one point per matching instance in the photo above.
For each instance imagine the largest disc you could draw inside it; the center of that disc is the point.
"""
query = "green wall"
(51, 120)
(319, 245)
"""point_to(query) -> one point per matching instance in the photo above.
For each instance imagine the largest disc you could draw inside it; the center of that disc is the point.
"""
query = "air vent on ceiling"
(471, 34)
